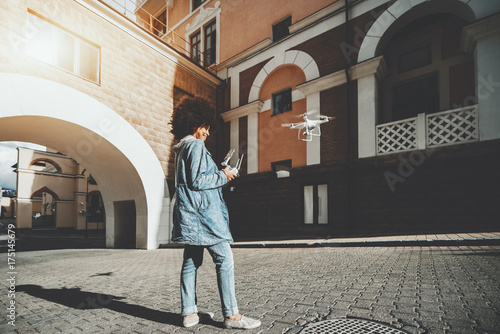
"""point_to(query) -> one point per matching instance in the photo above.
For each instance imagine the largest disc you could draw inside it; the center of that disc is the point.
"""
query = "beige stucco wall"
(6, 204)
(117, 127)
(136, 80)
(64, 187)
(64, 214)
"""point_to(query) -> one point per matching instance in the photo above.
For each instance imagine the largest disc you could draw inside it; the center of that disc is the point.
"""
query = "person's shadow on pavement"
(84, 300)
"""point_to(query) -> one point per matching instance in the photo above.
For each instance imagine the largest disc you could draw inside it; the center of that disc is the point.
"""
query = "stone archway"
(44, 201)
(399, 14)
(293, 57)
(311, 71)
(128, 171)
(404, 11)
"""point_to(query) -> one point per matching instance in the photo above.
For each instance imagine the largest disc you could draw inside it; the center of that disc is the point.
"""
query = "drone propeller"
(287, 125)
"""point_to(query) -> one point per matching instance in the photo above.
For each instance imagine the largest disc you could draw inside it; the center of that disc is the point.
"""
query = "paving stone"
(291, 317)
(361, 313)
(460, 326)
(413, 330)
(364, 303)
(419, 289)
(338, 313)
(301, 308)
(280, 327)
(342, 304)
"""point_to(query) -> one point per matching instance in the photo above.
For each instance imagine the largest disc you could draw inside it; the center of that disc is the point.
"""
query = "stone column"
(313, 146)
(233, 116)
(368, 73)
(253, 144)
(23, 216)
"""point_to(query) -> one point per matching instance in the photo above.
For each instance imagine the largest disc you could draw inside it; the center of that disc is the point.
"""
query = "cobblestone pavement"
(452, 289)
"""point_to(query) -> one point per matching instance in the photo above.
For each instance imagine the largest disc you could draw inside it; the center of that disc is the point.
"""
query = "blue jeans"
(222, 256)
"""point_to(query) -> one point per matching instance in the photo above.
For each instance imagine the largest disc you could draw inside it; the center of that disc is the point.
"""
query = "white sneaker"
(243, 323)
(191, 321)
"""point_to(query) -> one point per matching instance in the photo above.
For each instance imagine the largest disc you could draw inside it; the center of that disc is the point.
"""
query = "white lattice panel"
(452, 127)
(397, 136)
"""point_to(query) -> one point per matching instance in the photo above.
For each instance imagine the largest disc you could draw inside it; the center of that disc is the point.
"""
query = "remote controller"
(225, 163)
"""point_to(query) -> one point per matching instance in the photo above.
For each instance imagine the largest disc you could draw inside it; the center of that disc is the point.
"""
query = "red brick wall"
(334, 133)
(454, 188)
(331, 51)
(325, 51)
(246, 80)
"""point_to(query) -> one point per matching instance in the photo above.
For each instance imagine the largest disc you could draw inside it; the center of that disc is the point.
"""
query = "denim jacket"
(200, 214)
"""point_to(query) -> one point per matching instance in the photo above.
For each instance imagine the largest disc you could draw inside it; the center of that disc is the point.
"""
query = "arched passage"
(44, 203)
(42, 190)
(128, 171)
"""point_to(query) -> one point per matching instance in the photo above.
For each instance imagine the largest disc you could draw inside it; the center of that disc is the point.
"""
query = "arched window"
(426, 70)
(45, 165)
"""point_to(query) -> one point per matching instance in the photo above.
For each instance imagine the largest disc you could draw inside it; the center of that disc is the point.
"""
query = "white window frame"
(206, 16)
(155, 16)
(321, 200)
(191, 7)
(56, 29)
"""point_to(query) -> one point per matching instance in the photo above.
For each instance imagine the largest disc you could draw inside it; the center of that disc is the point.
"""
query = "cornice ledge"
(52, 154)
(242, 111)
(316, 16)
(37, 172)
(375, 66)
(126, 25)
(242, 55)
(323, 83)
(480, 29)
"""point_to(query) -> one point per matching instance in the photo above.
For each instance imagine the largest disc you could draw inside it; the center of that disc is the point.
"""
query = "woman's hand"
(230, 175)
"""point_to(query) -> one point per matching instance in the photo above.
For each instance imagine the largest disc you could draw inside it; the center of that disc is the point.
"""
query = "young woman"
(200, 216)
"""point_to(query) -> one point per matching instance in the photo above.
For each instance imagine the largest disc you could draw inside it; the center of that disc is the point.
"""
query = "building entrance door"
(44, 212)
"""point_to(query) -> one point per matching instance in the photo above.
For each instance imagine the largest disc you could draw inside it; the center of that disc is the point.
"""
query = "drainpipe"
(349, 108)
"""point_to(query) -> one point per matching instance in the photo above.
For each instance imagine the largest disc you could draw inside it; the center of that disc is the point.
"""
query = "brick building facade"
(412, 86)
(405, 82)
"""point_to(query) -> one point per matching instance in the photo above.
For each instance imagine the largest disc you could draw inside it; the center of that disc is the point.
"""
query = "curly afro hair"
(189, 115)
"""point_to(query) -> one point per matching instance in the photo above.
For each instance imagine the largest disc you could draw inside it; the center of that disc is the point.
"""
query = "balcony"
(133, 11)
(451, 127)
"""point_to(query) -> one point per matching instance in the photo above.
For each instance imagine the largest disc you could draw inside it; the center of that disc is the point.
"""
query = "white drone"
(308, 128)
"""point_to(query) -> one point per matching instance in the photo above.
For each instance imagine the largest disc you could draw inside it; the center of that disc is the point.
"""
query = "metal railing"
(160, 30)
